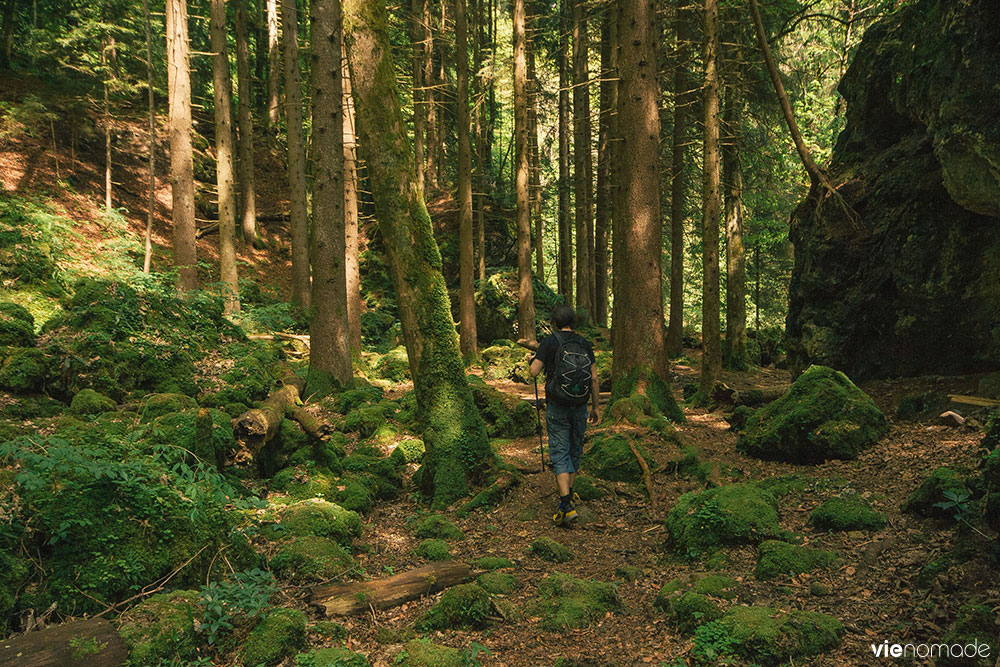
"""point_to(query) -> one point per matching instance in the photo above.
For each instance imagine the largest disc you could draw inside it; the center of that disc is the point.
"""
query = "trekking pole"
(538, 427)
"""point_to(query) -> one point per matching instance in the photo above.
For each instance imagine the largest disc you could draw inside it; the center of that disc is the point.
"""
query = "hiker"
(570, 379)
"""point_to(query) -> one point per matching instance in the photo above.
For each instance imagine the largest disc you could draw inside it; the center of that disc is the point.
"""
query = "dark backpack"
(571, 381)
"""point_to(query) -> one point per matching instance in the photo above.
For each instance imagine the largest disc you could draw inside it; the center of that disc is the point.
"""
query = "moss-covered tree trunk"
(298, 216)
(458, 452)
(222, 88)
(525, 294)
(467, 305)
(565, 213)
(711, 348)
(678, 184)
(245, 169)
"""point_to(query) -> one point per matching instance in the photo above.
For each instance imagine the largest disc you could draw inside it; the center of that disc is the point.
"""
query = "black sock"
(565, 501)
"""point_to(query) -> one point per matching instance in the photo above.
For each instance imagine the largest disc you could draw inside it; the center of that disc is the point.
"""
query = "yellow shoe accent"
(570, 515)
(559, 517)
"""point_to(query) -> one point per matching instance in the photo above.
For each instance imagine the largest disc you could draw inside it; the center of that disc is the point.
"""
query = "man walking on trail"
(570, 380)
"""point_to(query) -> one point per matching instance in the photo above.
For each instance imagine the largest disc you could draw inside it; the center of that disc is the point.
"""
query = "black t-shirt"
(549, 347)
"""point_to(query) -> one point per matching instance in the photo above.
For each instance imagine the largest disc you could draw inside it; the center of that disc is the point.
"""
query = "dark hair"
(563, 316)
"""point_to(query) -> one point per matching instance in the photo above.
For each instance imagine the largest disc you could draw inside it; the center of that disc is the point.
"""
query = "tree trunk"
(481, 160)
(222, 87)
(639, 331)
(107, 125)
(534, 178)
(248, 199)
(736, 310)
(419, 107)
(602, 223)
(181, 156)
(458, 452)
(351, 232)
(678, 183)
(430, 164)
(273, 68)
(329, 344)
(298, 223)
(60, 645)
(147, 258)
(525, 294)
(582, 163)
(360, 597)
(442, 83)
(466, 291)
(711, 358)
(7, 33)
(565, 213)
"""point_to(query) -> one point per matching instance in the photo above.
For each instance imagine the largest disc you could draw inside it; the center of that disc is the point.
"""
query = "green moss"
(505, 360)
(408, 450)
(17, 326)
(319, 518)
(394, 365)
(440, 527)
(205, 433)
(157, 405)
(587, 489)
(365, 420)
(329, 630)
(278, 636)
(716, 585)
(850, 512)
(498, 583)
(424, 653)
(90, 402)
(823, 416)
(610, 457)
(548, 549)
(739, 417)
(466, 606)
(351, 399)
(766, 636)
(566, 602)
(494, 563)
(734, 514)
(931, 491)
(505, 416)
(377, 473)
(434, 550)
(331, 657)
(310, 559)
(24, 370)
(974, 623)
(353, 494)
(493, 493)
(161, 628)
(922, 405)
(777, 558)
(688, 610)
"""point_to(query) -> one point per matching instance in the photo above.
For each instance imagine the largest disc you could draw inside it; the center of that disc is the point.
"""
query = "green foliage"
(319, 518)
(24, 370)
(17, 326)
(437, 525)
(925, 499)
(494, 563)
(157, 405)
(279, 635)
(498, 583)
(308, 559)
(90, 402)
(28, 241)
(424, 653)
(394, 365)
(849, 512)
(765, 636)
(566, 602)
(505, 360)
(161, 628)
(432, 549)
(331, 657)
(823, 416)
(974, 622)
(505, 416)
(734, 514)
(688, 610)
(777, 558)
(611, 458)
(548, 549)
(246, 596)
(466, 606)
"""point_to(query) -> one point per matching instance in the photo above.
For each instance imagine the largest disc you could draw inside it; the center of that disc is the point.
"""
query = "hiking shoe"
(565, 517)
(576, 499)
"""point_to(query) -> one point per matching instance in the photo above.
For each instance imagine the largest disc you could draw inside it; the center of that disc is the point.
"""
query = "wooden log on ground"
(92, 642)
(755, 397)
(357, 598)
(974, 400)
(311, 424)
(255, 427)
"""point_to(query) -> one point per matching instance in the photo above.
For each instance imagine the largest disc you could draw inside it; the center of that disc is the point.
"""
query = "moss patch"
(319, 518)
(777, 558)
(566, 602)
(438, 526)
(466, 606)
(424, 653)
(161, 628)
(494, 563)
(279, 635)
(548, 549)
(767, 636)
(505, 360)
(587, 489)
(823, 416)
(309, 559)
(434, 550)
(688, 610)
(931, 491)
(498, 583)
(505, 416)
(331, 657)
(90, 402)
(611, 458)
(847, 513)
(17, 326)
(735, 514)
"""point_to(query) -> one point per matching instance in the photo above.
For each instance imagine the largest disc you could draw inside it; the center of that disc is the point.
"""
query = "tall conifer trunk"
(582, 162)
(565, 212)
(525, 294)
(467, 306)
(736, 309)
(351, 231)
(147, 259)
(419, 106)
(298, 218)
(602, 224)
(711, 358)
(430, 100)
(222, 89)
(678, 184)
(245, 173)
(273, 66)
(534, 159)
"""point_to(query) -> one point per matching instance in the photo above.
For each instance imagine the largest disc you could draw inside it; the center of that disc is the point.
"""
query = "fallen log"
(359, 597)
(311, 424)
(255, 427)
(755, 397)
(93, 642)
(974, 400)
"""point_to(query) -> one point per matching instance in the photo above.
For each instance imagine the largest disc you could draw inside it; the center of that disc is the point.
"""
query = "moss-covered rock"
(366, 419)
(687, 610)
(823, 416)
(548, 549)
(587, 489)
(394, 365)
(319, 518)
(157, 405)
(716, 585)
(17, 326)
(505, 416)
(850, 512)
(309, 559)
(24, 370)
(921, 405)
(161, 628)
(424, 653)
(279, 635)
(735, 514)
(408, 450)
(494, 563)
(466, 606)
(975, 623)
(376, 472)
(777, 558)
(204, 432)
(359, 394)
(610, 457)
(498, 583)
(924, 498)
(432, 549)
(566, 602)
(505, 360)
(332, 657)
(304, 482)
(90, 402)
(438, 526)
(766, 636)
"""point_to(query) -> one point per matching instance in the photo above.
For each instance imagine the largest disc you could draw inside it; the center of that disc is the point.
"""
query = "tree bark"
(329, 344)
(430, 154)
(299, 222)
(711, 359)
(360, 597)
(248, 199)
(582, 164)
(107, 124)
(222, 88)
(58, 646)
(181, 155)
(678, 182)
(466, 291)
(147, 258)
(534, 178)
(639, 330)
(525, 294)
(458, 452)
(479, 195)
(565, 213)
(7, 33)
(419, 106)
(351, 231)
(273, 68)
(441, 82)
(736, 310)
(602, 223)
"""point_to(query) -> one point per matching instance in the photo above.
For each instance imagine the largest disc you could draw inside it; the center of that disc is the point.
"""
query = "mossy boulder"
(587, 489)
(703, 521)
(305, 482)
(498, 583)
(505, 360)
(922, 405)
(408, 450)
(688, 610)
(394, 365)
(310, 559)
(432, 549)
(931, 491)
(767, 636)
(610, 457)
(777, 558)
(24, 370)
(90, 402)
(320, 518)
(505, 416)
(332, 657)
(548, 549)
(716, 585)
(359, 394)
(205, 433)
(492, 563)
(850, 512)
(466, 606)
(157, 405)
(279, 635)
(366, 419)
(425, 653)
(566, 602)
(438, 526)
(17, 326)
(823, 416)
(162, 628)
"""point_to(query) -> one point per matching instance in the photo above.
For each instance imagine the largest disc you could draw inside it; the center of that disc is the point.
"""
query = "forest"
(274, 274)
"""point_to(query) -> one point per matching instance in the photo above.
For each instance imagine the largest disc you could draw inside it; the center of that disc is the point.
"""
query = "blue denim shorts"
(565, 425)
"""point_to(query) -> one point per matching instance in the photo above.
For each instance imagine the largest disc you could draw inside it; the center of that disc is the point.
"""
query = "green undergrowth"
(567, 602)
(776, 558)
(610, 457)
(848, 512)
(466, 606)
(765, 636)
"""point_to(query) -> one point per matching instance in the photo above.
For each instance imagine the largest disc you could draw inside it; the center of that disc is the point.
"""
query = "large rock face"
(913, 287)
